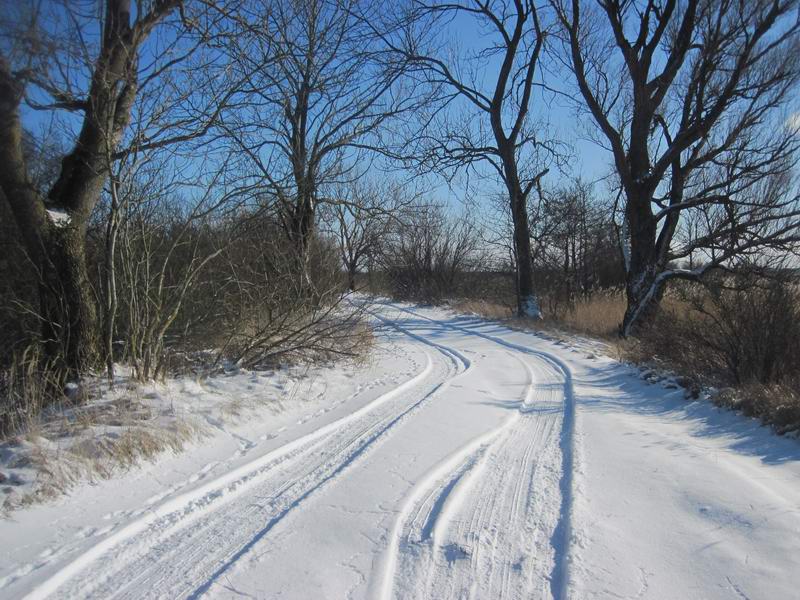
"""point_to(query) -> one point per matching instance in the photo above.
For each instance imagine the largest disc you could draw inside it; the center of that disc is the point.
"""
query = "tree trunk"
(644, 292)
(351, 276)
(69, 325)
(643, 287)
(301, 230)
(55, 241)
(110, 276)
(527, 304)
(302, 227)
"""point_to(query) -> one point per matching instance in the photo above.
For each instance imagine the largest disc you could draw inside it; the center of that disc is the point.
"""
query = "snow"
(77, 444)
(465, 460)
(625, 244)
(59, 217)
(530, 308)
(793, 123)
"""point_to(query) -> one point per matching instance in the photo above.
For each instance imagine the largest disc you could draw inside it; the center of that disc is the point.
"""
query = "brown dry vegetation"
(89, 443)
(685, 341)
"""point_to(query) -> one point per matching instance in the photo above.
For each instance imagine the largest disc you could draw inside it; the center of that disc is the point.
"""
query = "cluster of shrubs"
(739, 331)
(228, 290)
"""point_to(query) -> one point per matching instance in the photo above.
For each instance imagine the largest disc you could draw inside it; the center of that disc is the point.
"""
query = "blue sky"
(587, 160)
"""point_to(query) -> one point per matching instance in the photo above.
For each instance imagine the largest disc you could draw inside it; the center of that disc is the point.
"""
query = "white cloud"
(793, 122)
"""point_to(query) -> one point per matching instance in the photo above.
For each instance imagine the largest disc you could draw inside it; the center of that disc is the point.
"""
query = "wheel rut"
(183, 546)
(501, 536)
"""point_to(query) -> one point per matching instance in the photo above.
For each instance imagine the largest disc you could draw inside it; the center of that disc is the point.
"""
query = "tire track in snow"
(125, 548)
(464, 458)
(560, 540)
(511, 512)
(462, 365)
(451, 352)
(447, 492)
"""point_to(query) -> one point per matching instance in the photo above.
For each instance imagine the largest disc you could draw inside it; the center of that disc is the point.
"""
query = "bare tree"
(688, 97)
(321, 91)
(575, 246)
(93, 68)
(360, 216)
(428, 252)
(484, 118)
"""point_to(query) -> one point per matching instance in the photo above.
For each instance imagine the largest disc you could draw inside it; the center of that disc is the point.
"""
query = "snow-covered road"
(468, 461)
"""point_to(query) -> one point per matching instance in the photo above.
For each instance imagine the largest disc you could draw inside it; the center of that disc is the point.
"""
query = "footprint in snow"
(454, 552)
(85, 532)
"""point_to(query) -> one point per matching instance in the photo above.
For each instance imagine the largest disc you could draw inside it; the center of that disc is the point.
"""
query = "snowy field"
(465, 460)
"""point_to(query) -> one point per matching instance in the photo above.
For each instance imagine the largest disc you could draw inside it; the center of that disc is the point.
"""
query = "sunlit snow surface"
(465, 460)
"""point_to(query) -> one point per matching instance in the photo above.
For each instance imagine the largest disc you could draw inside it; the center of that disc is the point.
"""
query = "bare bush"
(162, 253)
(749, 325)
(264, 305)
(576, 252)
(428, 253)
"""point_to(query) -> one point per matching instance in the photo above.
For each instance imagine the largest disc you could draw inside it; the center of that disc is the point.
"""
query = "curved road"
(440, 487)
(499, 465)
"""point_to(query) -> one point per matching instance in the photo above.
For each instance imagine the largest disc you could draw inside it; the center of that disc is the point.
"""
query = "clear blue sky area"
(587, 159)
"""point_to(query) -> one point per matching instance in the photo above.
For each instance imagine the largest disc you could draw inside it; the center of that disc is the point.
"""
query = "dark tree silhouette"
(688, 97)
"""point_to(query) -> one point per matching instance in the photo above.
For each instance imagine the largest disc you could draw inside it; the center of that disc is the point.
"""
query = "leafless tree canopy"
(361, 216)
(320, 88)
(425, 254)
(192, 177)
(688, 97)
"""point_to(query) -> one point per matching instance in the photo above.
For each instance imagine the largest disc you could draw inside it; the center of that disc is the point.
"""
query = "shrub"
(428, 255)
(750, 325)
(740, 331)
(777, 405)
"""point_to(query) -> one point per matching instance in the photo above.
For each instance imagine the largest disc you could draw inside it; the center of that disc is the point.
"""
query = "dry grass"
(28, 385)
(671, 345)
(598, 316)
(94, 443)
(111, 431)
(484, 308)
(69, 441)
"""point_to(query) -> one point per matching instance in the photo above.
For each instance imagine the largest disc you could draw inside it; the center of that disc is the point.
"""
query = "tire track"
(464, 458)
(557, 385)
(159, 554)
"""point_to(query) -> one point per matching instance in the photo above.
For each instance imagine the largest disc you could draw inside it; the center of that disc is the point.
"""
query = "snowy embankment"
(467, 460)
